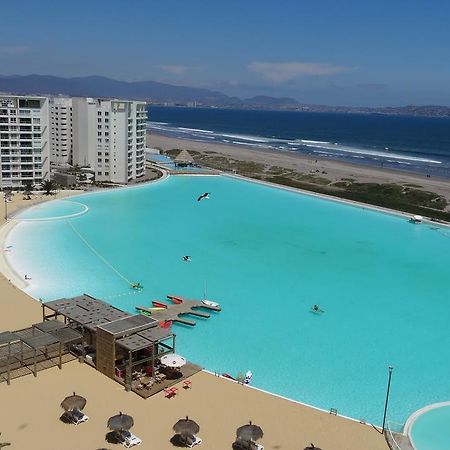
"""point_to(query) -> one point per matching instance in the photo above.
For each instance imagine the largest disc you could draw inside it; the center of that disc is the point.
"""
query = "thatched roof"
(184, 157)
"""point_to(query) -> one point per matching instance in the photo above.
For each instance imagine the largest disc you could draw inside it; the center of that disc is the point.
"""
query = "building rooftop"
(129, 325)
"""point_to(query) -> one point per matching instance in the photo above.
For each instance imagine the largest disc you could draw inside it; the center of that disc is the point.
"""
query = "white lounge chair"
(77, 417)
(129, 440)
(195, 442)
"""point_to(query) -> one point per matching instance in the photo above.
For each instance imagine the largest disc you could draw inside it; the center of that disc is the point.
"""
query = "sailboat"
(208, 302)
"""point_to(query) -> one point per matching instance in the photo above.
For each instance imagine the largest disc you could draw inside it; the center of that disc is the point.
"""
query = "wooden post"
(9, 359)
(60, 355)
(128, 376)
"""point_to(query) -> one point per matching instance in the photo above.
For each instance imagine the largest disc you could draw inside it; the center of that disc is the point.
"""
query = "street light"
(387, 397)
(6, 207)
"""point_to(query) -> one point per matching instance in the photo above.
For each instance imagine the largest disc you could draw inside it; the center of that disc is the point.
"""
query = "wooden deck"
(186, 371)
(177, 312)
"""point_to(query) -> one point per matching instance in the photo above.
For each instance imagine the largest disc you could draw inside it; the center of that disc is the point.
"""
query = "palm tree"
(48, 186)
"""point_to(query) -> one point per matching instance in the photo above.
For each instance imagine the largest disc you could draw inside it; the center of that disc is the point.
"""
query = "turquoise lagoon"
(267, 255)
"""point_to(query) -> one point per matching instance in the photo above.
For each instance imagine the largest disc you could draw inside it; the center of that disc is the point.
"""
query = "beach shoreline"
(334, 171)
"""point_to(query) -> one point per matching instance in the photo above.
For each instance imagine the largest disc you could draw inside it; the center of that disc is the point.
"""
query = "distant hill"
(163, 93)
(152, 91)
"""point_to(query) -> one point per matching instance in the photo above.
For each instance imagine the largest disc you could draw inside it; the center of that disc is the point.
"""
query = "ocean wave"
(374, 153)
(249, 138)
(151, 122)
(307, 141)
(195, 130)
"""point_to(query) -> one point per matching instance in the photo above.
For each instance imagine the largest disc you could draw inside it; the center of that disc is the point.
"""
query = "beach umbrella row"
(185, 427)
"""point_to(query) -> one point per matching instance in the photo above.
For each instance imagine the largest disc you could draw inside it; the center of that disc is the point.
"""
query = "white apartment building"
(109, 137)
(24, 140)
(60, 124)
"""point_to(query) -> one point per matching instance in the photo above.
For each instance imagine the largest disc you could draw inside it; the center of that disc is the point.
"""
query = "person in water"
(316, 308)
(187, 258)
(136, 286)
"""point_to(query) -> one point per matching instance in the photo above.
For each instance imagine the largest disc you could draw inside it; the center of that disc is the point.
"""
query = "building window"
(99, 173)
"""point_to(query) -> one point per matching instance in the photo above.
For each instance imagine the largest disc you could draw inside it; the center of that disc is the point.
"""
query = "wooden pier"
(178, 309)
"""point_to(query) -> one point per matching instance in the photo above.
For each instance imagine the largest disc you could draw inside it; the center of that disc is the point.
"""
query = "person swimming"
(187, 258)
(316, 309)
(137, 286)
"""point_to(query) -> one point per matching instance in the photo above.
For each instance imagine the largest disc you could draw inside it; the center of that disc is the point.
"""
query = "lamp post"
(387, 397)
(6, 208)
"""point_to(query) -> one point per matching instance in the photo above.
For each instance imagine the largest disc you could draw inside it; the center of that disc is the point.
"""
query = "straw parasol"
(173, 360)
(120, 422)
(184, 157)
(186, 427)
(73, 402)
(249, 432)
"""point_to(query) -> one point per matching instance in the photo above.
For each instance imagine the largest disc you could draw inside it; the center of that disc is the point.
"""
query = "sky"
(335, 52)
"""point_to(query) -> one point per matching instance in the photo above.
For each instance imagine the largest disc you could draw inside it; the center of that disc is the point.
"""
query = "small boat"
(227, 375)
(416, 219)
(166, 324)
(159, 304)
(210, 303)
(176, 298)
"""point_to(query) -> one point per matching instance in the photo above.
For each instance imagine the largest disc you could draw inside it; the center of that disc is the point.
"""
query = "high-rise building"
(24, 141)
(109, 137)
(60, 133)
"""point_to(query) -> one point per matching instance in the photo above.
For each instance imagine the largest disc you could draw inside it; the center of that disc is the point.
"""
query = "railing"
(393, 442)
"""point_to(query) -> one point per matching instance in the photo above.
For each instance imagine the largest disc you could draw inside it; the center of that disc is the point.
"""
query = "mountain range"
(155, 92)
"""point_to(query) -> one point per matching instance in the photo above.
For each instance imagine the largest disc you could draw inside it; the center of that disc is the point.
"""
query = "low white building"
(24, 140)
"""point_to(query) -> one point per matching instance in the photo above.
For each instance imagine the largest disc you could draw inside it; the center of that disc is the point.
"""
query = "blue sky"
(384, 52)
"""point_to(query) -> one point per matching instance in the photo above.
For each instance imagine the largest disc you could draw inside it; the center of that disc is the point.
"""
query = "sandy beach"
(30, 406)
(334, 171)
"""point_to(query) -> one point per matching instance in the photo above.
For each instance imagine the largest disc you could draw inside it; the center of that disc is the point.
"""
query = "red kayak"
(158, 304)
(176, 299)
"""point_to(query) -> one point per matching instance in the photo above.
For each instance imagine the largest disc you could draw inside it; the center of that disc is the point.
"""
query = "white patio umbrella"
(173, 360)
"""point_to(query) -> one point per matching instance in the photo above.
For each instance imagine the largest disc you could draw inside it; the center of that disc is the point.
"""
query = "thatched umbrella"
(186, 427)
(4, 444)
(184, 158)
(249, 432)
(120, 422)
(73, 402)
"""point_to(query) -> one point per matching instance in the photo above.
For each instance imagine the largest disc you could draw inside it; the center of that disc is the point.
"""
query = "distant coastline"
(432, 111)
(164, 94)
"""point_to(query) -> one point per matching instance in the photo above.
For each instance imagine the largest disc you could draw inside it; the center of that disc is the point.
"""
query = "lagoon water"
(267, 255)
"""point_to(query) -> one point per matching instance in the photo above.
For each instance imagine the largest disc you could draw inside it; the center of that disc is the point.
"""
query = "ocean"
(413, 144)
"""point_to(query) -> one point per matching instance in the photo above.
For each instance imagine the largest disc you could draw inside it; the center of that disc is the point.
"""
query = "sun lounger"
(171, 392)
(129, 440)
(247, 445)
(77, 417)
(195, 442)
